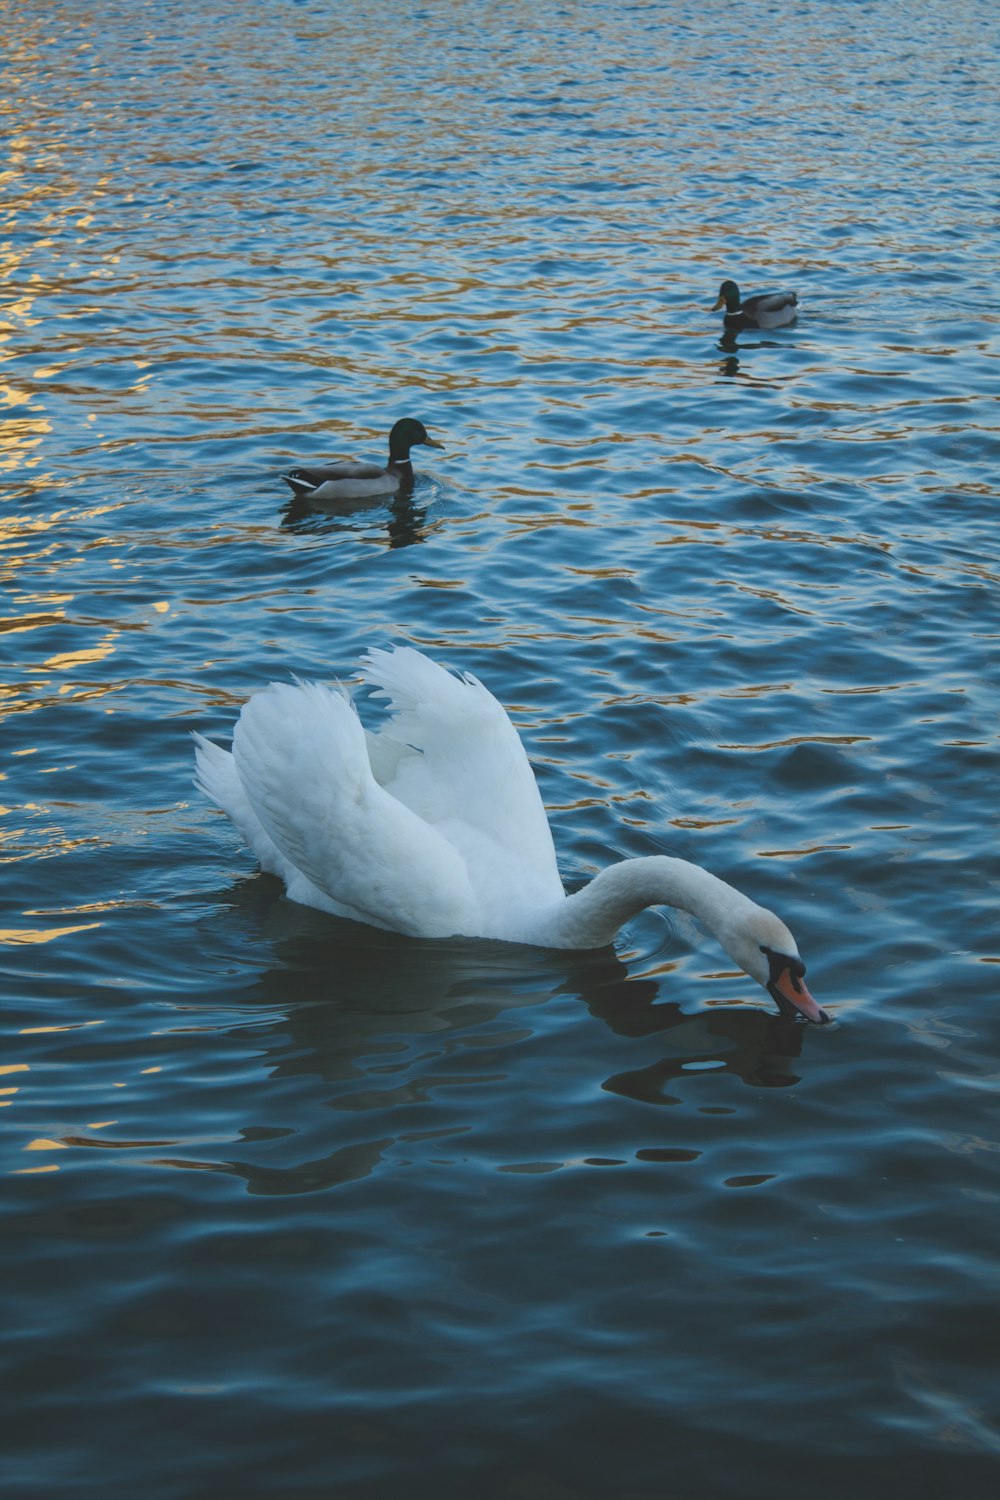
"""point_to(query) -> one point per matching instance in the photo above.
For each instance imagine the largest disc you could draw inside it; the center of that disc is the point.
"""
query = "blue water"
(298, 1209)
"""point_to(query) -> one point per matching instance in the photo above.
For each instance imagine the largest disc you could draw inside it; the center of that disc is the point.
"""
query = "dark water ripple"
(295, 1208)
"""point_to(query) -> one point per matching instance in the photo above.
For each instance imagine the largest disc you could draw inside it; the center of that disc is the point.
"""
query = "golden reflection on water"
(64, 660)
(803, 739)
(26, 936)
(18, 438)
(16, 624)
(67, 911)
(800, 853)
(70, 1026)
(20, 536)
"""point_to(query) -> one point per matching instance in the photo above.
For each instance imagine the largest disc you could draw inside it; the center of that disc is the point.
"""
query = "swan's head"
(763, 946)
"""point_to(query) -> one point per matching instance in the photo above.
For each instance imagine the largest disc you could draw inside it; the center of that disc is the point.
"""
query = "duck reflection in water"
(731, 367)
(405, 522)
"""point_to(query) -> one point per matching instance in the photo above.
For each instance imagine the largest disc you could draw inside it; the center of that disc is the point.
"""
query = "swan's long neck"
(591, 917)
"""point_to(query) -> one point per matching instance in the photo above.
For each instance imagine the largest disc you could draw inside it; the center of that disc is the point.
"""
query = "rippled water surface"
(300, 1209)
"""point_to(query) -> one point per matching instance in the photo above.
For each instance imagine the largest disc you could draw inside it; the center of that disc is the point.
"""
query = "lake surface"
(299, 1209)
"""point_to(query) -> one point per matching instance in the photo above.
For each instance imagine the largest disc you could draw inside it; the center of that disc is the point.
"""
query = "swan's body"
(763, 310)
(349, 479)
(434, 826)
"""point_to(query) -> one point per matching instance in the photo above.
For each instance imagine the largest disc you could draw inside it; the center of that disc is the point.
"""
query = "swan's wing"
(217, 777)
(454, 757)
(300, 755)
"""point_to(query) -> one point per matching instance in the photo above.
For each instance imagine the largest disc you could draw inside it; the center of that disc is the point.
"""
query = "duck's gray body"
(348, 479)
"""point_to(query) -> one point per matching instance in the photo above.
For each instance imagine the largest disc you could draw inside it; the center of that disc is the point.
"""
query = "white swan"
(434, 826)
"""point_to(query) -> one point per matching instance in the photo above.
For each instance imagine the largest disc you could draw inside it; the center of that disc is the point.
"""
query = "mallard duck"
(353, 480)
(763, 310)
(434, 826)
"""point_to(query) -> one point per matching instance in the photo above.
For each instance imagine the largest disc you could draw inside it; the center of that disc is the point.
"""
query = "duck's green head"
(407, 434)
(729, 297)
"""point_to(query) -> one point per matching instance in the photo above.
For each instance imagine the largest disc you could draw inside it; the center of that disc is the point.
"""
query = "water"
(299, 1209)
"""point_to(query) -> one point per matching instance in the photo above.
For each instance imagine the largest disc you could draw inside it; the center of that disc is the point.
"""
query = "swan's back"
(302, 761)
(458, 762)
(432, 826)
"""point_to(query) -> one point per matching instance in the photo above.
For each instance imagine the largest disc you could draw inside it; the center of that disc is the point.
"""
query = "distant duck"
(434, 826)
(350, 479)
(763, 310)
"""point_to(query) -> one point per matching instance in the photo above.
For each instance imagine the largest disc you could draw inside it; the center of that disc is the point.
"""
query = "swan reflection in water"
(392, 1033)
(343, 986)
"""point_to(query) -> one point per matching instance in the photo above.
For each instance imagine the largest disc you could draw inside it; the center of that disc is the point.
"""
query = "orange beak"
(720, 302)
(785, 988)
